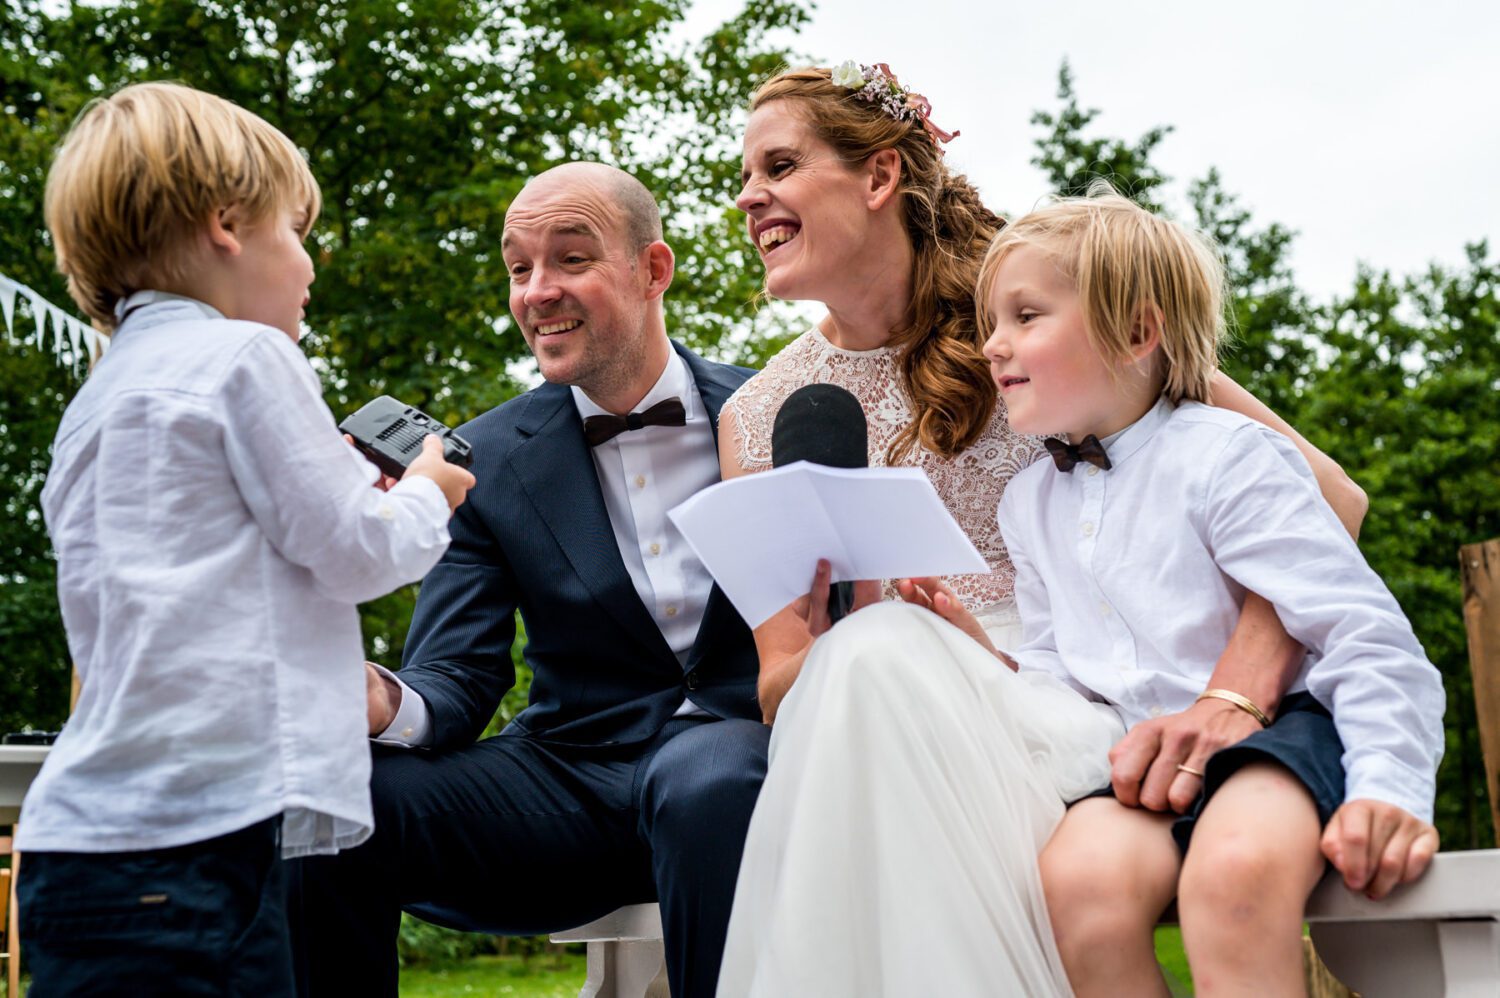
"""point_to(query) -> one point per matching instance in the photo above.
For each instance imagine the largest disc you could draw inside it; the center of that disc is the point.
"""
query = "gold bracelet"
(1243, 703)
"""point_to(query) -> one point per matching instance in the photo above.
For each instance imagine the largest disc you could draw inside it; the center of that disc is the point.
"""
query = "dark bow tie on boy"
(1067, 455)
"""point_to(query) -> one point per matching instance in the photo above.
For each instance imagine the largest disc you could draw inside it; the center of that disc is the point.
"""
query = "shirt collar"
(1123, 443)
(675, 381)
(141, 299)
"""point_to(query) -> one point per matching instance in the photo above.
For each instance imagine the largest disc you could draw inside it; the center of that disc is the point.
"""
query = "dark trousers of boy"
(523, 836)
(202, 919)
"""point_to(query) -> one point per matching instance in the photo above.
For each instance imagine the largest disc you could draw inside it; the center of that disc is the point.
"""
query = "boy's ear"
(884, 168)
(1145, 331)
(225, 229)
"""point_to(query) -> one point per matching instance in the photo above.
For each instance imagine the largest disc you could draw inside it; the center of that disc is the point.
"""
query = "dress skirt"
(914, 779)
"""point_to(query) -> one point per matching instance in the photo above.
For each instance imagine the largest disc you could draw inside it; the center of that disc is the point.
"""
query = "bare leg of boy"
(1253, 861)
(1108, 873)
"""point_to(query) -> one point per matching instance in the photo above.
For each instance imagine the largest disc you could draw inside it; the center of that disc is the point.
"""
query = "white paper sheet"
(761, 536)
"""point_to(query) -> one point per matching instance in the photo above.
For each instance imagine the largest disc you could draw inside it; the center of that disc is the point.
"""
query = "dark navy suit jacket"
(534, 535)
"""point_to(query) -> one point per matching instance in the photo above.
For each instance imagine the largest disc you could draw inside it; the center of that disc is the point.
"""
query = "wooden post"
(1480, 567)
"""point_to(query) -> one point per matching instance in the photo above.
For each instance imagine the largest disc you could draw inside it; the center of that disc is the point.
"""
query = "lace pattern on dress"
(970, 484)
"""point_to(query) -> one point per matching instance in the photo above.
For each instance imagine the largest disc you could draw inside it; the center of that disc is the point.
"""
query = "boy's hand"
(384, 482)
(453, 480)
(383, 699)
(937, 597)
(1376, 846)
(1144, 764)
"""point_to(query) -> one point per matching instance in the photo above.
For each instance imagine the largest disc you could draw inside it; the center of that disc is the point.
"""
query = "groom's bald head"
(614, 191)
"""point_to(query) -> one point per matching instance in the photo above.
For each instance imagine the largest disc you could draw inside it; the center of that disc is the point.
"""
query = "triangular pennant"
(38, 306)
(75, 339)
(8, 290)
(59, 329)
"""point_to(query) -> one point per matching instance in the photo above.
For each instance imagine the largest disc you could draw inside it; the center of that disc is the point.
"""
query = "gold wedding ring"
(1190, 770)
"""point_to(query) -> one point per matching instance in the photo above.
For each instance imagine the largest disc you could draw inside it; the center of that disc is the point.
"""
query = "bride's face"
(807, 212)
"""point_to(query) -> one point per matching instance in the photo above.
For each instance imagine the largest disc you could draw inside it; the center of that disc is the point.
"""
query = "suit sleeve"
(458, 649)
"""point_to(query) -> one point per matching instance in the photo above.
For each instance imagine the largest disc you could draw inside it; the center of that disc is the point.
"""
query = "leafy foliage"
(421, 121)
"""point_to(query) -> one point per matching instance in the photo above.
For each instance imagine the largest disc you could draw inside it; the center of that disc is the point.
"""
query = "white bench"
(625, 956)
(1437, 938)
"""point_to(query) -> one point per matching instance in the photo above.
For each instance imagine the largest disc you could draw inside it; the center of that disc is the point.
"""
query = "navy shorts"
(1302, 740)
(202, 919)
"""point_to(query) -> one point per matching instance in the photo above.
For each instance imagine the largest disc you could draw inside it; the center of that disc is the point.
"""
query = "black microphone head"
(823, 424)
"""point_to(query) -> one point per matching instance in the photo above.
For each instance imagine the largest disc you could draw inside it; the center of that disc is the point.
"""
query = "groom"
(632, 774)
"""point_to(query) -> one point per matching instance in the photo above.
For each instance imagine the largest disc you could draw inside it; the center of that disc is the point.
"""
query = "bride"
(914, 775)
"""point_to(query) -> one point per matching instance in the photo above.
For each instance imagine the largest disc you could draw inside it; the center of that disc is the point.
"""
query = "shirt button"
(656, 549)
(1104, 608)
(385, 513)
(406, 732)
(1093, 470)
(640, 481)
(1155, 710)
(1087, 528)
(671, 611)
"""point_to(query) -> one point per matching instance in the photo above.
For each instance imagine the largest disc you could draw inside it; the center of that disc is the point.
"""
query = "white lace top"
(970, 484)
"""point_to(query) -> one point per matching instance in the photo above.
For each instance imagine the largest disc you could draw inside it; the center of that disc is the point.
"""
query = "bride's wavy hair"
(942, 369)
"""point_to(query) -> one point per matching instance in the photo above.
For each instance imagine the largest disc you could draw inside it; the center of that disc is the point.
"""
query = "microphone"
(823, 424)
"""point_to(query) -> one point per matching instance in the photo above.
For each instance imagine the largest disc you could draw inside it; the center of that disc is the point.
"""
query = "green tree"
(421, 122)
(1406, 399)
(1072, 160)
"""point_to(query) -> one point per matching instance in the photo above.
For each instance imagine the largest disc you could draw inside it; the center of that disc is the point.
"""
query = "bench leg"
(1456, 959)
(1471, 957)
(634, 968)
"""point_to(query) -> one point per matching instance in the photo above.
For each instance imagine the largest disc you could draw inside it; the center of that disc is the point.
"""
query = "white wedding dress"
(914, 778)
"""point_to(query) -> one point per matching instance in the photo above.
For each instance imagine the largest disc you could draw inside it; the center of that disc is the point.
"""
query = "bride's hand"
(935, 595)
(813, 608)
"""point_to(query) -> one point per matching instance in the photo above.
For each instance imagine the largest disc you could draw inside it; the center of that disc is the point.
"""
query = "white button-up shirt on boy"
(213, 534)
(1131, 580)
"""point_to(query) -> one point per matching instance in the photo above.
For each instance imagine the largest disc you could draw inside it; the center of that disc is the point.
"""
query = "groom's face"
(577, 290)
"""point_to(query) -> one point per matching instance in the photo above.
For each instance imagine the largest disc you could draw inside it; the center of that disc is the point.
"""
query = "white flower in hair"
(847, 74)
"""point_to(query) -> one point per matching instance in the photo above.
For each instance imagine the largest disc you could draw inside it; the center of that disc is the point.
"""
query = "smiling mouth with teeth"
(775, 235)
(551, 328)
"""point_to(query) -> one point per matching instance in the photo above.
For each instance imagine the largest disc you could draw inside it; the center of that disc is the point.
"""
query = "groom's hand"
(1156, 764)
(383, 699)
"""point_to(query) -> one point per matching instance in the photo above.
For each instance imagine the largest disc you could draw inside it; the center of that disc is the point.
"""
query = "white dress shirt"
(213, 534)
(642, 473)
(1130, 582)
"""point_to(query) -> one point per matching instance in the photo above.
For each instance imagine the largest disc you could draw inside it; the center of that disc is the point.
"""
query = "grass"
(479, 975)
(1173, 960)
(540, 977)
(497, 975)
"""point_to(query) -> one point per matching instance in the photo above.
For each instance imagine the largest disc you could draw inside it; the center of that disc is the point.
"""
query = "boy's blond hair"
(142, 171)
(1124, 260)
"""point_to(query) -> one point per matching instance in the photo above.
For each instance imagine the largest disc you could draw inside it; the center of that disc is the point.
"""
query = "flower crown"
(878, 85)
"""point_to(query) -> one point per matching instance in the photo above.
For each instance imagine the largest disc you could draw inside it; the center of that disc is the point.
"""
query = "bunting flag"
(73, 340)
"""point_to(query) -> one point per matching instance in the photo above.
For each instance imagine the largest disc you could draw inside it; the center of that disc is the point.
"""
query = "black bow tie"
(667, 412)
(1068, 455)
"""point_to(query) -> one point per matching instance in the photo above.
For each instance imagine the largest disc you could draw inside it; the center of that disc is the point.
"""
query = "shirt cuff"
(430, 494)
(412, 725)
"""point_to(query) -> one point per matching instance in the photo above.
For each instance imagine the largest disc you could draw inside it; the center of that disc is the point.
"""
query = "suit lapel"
(556, 470)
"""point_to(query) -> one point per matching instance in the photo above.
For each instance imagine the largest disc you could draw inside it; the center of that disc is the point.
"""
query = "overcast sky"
(1371, 128)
